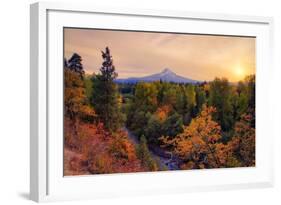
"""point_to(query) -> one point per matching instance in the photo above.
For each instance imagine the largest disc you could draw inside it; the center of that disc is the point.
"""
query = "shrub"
(100, 164)
(122, 148)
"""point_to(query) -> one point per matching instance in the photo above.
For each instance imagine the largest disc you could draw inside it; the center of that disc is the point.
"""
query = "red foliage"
(98, 151)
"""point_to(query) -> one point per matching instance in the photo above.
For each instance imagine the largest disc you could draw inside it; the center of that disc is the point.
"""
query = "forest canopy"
(113, 127)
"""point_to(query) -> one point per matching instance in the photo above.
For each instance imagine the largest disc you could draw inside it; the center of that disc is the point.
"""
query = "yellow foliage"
(198, 140)
(74, 93)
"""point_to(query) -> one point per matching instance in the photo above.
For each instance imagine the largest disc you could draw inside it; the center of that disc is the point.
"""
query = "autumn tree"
(76, 106)
(75, 102)
(240, 150)
(225, 155)
(196, 146)
(243, 142)
(105, 96)
(74, 93)
(146, 97)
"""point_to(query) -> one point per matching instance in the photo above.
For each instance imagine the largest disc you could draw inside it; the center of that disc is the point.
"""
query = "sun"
(239, 71)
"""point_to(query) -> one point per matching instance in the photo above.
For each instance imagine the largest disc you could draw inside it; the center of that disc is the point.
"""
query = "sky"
(137, 54)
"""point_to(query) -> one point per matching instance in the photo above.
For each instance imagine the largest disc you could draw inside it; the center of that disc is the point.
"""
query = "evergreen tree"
(220, 98)
(153, 129)
(251, 87)
(173, 125)
(145, 156)
(105, 96)
(75, 64)
(200, 98)
(65, 64)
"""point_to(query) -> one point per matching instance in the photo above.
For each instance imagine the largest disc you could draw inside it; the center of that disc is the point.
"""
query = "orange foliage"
(162, 112)
(243, 142)
(99, 151)
(197, 144)
(121, 147)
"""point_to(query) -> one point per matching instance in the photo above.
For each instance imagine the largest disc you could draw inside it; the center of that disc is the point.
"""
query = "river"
(165, 163)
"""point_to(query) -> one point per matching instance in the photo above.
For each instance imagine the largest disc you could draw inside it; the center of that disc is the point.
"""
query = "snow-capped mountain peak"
(166, 75)
(167, 71)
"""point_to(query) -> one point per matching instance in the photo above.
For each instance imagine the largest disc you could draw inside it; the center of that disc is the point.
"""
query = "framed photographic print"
(127, 102)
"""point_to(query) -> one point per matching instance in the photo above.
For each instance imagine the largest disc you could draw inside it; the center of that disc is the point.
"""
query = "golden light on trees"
(158, 122)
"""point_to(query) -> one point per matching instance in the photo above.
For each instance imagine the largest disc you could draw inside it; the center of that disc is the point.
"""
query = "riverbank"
(165, 160)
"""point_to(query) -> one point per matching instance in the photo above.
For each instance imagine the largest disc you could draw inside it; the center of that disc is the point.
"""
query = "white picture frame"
(46, 59)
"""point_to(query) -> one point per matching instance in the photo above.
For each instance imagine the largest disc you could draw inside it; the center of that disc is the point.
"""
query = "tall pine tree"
(75, 64)
(105, 96)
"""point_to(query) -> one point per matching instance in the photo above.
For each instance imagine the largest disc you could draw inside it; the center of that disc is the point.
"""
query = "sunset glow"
(239, 71)
(138, 101)
(136, 54)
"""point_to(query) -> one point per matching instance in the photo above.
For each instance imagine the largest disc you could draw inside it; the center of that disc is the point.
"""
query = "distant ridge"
(166, 76)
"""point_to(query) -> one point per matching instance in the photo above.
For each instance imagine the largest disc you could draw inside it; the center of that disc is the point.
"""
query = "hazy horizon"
(139, 54)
